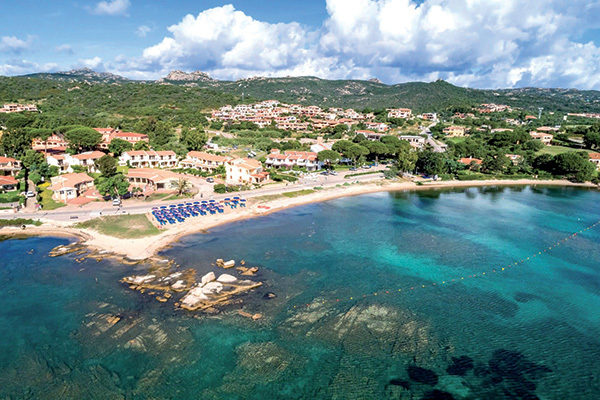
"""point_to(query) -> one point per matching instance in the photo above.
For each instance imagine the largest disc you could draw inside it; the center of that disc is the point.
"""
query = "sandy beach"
(142, 248)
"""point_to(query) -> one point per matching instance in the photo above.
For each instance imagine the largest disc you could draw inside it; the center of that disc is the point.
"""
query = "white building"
(245, 171)
(399, 113)
(149, 159)
(203, 161)
(290, 159)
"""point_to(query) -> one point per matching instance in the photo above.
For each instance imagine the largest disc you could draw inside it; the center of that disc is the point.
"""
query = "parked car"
(116, 202)
(332, 173)
(210, 180)
(353, 169)
(30, 194)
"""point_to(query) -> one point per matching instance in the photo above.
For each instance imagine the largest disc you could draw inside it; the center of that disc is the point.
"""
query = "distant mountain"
(80, 75)
(184, 77)
(358, 94)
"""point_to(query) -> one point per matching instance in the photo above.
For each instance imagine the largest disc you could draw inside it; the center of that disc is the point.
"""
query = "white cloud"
(92, 63)
(142, 30)
(480, 43)
(13, 44)
(114, 7)
(65, 48)
(22, 67)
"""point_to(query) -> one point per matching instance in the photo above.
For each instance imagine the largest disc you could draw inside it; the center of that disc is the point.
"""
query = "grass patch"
(268, 197)
(123, 169)
(48, 203)
(362, 173)
(19, 222)
(121, 226)
(554, 150)
(297, 193)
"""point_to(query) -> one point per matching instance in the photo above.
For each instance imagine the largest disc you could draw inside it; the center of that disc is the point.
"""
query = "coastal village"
(150, 172)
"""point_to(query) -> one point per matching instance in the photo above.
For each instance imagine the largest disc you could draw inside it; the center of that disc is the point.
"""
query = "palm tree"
(182, 186)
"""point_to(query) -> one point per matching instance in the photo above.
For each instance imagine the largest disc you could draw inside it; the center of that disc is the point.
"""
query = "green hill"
(85, 91)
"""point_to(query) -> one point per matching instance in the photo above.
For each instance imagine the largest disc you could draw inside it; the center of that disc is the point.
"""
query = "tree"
(341, 146)
(328, 157)
(107, 165)
(116, 185)
(495, 164)
(406, 159)
(193, 140)
(182, 186)
(142, 145)
(14, 143)
(430, 163)
(82, 139)
(592, 139)
(376, 149)
(355, 151)
(573, 165)
(119, 146)
(32, 159)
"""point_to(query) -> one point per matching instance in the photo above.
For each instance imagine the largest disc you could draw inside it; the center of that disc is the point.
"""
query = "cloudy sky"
(476, 43)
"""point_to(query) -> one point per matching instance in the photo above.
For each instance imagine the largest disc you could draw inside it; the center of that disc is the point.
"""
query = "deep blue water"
(530, 330)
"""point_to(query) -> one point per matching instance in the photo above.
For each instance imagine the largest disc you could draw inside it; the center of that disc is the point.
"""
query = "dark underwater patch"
(460, 366)
(400, 382)
(422, 375)
(437, 395)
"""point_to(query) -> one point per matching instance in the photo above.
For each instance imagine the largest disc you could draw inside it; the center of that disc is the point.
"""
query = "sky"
(474, 43)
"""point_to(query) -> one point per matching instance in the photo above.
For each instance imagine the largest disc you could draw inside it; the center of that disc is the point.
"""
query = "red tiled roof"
(469, 160)
(8, 180)
(594, 156)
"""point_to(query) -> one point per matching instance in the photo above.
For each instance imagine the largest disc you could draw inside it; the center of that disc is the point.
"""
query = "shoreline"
(147, 247)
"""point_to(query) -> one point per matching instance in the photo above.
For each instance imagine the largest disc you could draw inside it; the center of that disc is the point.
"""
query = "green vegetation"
(19, 222)
(47, 202)
(554, 150)
(9, 197)
(121, 226)
(362, 173)
(297, 193)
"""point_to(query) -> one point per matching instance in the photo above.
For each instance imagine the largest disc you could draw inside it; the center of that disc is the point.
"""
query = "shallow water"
(530, 330)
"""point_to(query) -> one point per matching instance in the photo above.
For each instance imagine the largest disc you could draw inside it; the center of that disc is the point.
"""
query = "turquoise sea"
(525, 332)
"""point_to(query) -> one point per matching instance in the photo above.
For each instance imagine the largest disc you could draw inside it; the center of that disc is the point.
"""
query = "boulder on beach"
(208, 278)
(226, 278)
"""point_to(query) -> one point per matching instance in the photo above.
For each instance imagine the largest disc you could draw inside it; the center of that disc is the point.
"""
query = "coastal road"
(93, 210)
(431, 141)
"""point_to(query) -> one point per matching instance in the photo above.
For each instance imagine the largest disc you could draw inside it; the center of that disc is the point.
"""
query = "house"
(399, 113)
(203, 161)
(429, 116)
(595, 158)
(108, 134)
(70, 186)
(149, 159)
(11, 108)
(244, 171)
(53, 142)
(86, 160)
(58, 160)
(290, 159)
(8, 183)
(414, 140)
(320, 146)
(545, 138)
(455, 131)
(9, 166)
(370, 135)
(150, 180)
(469, 160)
(377, 126)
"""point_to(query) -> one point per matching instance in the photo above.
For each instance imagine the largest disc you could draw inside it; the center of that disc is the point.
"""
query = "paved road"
(96, 209)
(431, 141)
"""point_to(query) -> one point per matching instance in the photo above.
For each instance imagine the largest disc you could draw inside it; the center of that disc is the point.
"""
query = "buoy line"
(450, 281)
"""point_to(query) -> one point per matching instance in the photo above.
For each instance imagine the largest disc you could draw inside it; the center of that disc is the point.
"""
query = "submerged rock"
(269, 295)
(400, 382)
(460, 366)
(437, 395)
(422, 375)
